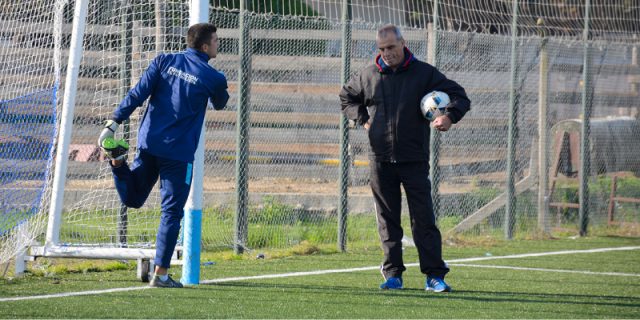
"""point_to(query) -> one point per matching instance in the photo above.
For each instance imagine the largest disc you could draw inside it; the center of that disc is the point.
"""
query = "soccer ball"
(433, 104)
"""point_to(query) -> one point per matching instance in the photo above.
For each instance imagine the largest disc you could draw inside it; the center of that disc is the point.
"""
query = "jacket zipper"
(394, 119)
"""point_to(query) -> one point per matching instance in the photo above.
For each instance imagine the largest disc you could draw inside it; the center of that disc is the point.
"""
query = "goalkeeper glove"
(110, 128)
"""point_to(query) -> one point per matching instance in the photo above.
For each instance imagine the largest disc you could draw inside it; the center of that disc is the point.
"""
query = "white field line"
(291, 274)
(542, 254)
(73, 294)
(620, 274)
(321, 272)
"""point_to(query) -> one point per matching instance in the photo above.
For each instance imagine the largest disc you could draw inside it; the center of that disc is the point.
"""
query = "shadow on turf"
(470, 295)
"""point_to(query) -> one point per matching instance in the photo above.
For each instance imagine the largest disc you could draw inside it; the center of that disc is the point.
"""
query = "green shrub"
(272, 211)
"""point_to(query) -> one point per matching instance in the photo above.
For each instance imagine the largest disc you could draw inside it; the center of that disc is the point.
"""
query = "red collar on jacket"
(382, 67)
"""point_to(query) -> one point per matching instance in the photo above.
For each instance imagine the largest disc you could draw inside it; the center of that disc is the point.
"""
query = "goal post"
(52, 246)
(68, 105)
(192, 226)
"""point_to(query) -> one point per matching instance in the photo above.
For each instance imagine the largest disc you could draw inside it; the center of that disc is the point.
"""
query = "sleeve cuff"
(451, 116)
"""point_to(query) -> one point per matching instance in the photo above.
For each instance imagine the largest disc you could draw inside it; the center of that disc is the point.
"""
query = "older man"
(385, 98)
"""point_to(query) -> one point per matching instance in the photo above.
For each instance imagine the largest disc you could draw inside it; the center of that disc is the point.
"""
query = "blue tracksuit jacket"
(179, 86)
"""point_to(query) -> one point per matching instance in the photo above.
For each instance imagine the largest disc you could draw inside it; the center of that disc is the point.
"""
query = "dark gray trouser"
(386, 179)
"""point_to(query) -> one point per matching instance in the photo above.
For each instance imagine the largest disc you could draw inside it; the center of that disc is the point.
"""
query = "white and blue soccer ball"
(433, 104)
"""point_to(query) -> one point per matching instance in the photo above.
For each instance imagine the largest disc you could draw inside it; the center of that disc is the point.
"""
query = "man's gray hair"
(389, 28)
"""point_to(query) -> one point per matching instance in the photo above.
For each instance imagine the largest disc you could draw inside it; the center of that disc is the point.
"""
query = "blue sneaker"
(436, 285)
(392, 283)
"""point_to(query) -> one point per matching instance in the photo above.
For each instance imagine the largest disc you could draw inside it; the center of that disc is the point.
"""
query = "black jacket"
(390, 102)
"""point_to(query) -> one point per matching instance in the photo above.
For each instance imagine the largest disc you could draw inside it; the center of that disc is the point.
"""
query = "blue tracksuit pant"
(135, 183)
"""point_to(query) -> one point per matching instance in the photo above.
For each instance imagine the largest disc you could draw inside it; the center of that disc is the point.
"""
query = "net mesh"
(121, 39)
(294, 141)
(30, 44)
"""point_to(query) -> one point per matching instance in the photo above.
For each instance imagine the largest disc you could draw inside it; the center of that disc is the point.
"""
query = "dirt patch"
(272, 185)
(282, 185)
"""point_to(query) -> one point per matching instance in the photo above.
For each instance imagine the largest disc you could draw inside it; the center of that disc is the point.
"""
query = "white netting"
(30, 43)
(121, 39)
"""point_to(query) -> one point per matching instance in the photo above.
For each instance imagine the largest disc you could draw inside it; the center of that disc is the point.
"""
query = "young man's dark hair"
(200, 34)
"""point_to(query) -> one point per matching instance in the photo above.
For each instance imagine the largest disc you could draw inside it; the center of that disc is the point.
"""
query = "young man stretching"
(178, 87)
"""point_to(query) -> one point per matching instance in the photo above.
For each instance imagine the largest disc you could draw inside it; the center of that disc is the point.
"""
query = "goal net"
(30, 51)
(293, 150)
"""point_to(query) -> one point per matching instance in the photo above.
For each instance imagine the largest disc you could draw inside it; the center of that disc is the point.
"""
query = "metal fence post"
(543, 133)
(434, 143)
(510, 208)
(585, 155)
(343, 205)
(634, 62)
(242, 130)
(126, 41)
